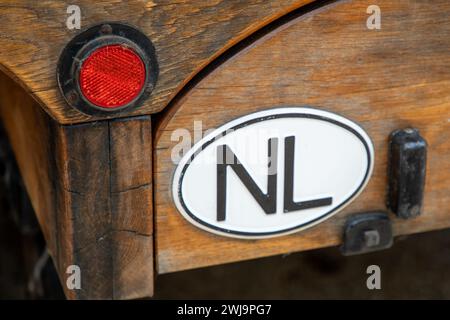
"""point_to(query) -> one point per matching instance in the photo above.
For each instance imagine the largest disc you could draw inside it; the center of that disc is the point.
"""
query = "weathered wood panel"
(385, 79)
(132, 206)
(187, 35)
(91, 188)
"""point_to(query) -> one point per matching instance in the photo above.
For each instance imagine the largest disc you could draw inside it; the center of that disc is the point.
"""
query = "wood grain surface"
(395, 77)
(187, 34)
(91, 188)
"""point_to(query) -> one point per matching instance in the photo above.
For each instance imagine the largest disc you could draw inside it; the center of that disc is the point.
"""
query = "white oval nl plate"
(273, 172)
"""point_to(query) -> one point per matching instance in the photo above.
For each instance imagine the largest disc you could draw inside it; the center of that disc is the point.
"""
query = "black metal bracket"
(406, 172)
(367, 232)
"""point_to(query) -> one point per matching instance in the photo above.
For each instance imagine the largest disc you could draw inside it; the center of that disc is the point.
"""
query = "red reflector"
(112, 76)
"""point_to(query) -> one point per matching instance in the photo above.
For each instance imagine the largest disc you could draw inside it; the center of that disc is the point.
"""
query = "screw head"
(106, 29)
(72, 96)
(371, 238)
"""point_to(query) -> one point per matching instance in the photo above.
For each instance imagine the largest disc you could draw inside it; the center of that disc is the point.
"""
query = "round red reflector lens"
(112, 76)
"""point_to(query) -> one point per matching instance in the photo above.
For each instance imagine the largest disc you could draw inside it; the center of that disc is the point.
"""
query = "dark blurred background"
(416, 267)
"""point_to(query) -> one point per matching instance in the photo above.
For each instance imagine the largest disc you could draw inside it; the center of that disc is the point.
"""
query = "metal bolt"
(106, 29)
(72, 97)
(371, 238)
(149, 88)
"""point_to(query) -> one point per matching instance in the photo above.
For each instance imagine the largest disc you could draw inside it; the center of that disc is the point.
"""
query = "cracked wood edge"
(91, 188)
(187, 36)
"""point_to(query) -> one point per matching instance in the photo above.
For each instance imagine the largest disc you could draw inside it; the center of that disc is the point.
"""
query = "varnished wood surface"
(187, 35)
(91, 188)
(385, 79)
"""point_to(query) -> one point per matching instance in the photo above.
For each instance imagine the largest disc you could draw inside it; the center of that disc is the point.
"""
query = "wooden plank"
(132, 205)
(385, 79)
(84, 212)
(187, 36)
(91, 188)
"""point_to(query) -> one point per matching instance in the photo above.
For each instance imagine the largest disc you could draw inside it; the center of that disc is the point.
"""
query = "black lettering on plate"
(268, 201)
(225, 158)
(289, 203)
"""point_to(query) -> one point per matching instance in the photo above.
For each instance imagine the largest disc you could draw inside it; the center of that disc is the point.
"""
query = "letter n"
(226, 158)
